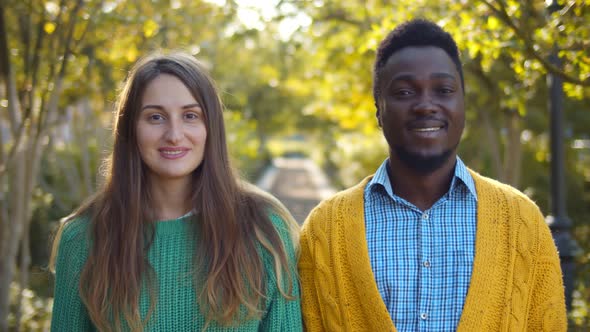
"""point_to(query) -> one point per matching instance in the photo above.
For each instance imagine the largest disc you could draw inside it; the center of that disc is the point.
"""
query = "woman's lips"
(173, 153)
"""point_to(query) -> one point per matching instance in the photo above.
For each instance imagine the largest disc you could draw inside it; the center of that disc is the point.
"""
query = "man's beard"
(422, 164)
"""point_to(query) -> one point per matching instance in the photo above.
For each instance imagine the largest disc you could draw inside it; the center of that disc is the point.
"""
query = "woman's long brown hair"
(233, 218)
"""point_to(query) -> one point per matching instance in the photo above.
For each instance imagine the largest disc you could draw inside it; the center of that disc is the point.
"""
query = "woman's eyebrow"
(158, 107)
(161, 108)
(196, 105)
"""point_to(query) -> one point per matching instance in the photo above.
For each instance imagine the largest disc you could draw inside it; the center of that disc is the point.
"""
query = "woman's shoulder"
(279, 222)
(72, 243)
(75, 228)
(277, 213)
(288, 231)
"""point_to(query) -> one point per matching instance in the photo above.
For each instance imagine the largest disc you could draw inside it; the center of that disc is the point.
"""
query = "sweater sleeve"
(309, 300)
(547, 306)
(283, 314)
(69, 312)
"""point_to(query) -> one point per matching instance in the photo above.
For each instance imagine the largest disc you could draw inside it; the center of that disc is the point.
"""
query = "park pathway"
(298, 183)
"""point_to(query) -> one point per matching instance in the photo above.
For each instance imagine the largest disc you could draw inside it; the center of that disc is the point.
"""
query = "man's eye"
(402, 92)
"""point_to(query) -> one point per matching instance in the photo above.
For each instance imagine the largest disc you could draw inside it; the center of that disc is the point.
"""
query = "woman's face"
(171, 131)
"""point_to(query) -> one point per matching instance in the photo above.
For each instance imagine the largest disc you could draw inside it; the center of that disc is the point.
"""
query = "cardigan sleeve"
(310, 307)
(547, 306)
(69, 312)
(283, 314)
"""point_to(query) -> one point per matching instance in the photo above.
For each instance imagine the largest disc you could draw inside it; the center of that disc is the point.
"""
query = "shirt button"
(425, 216)
(423, 316)
(426, 263)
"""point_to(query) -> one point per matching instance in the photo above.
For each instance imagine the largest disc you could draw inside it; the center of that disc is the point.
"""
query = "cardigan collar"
(357, 253)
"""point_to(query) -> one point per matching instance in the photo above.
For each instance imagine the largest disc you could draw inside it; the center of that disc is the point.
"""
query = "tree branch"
(36, 61)
(25, 23)
(7, 72)
(503, 15)
(67, 51)
(7, 75)
(340, 16)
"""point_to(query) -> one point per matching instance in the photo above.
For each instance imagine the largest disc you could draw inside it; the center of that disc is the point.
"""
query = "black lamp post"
(559, 222)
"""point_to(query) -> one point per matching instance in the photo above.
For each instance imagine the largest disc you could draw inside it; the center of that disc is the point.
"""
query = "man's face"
(421, 108)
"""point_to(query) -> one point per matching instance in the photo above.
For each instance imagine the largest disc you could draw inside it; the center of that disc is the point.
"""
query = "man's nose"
(425, 104)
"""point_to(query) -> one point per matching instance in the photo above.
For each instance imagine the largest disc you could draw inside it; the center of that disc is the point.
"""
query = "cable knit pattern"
(516, 283)
(171, 256)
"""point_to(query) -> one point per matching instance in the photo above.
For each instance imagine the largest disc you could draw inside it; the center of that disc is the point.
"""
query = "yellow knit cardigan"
(516, 284)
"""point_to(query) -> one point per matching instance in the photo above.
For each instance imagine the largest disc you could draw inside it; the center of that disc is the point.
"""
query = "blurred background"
(295, 77)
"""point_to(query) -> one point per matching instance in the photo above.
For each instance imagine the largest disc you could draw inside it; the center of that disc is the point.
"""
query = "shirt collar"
(461, 175)
(381, 178)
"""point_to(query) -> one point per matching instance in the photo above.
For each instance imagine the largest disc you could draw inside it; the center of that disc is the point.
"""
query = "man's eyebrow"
(412, 77)
(443, 75)
(403, 77)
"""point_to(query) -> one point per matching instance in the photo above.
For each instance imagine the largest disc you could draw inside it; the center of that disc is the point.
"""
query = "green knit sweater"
(171, 256)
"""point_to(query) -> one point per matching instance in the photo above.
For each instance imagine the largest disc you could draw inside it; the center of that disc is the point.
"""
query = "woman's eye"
(156, 117)
(192, 116)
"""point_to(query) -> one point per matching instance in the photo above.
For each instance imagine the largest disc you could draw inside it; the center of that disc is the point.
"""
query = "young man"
(426, 244)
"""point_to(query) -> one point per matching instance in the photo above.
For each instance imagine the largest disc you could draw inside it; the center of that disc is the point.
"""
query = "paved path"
(297, 182)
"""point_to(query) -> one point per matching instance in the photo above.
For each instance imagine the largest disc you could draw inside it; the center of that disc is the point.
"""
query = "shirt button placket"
(426, 274)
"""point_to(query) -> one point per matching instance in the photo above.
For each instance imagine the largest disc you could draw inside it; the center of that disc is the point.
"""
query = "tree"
(504, 46)
(37, 41)
(61, 60)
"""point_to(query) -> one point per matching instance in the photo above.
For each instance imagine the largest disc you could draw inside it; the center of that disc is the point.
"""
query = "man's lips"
(427, 129)
(426, 125)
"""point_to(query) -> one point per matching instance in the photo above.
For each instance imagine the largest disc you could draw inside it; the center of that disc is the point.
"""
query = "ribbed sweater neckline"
(173, 226)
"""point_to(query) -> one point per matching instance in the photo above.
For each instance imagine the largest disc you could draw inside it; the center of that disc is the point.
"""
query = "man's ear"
(378, 114)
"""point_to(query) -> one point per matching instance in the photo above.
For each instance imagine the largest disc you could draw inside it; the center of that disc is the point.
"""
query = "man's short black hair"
(417, 32)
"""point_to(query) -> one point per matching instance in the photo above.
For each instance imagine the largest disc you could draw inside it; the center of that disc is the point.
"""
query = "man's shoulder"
(326, 209)
(489, 189)
(351, 193)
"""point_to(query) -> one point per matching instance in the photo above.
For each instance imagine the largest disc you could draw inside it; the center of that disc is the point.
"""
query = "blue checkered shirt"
(422, 260)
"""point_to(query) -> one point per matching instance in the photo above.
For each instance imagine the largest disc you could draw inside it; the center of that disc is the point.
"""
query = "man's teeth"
(427, 129)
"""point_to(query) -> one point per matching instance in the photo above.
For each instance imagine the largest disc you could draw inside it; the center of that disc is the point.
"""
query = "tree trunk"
(8, 225)
(513, 150)
(28, 128)
(25, 182)
(493, 144)
(25, 262)
(87, 175)
(484, 116)
(12, 234)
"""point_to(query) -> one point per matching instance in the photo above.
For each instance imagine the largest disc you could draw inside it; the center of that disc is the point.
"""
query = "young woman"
(174, 241)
